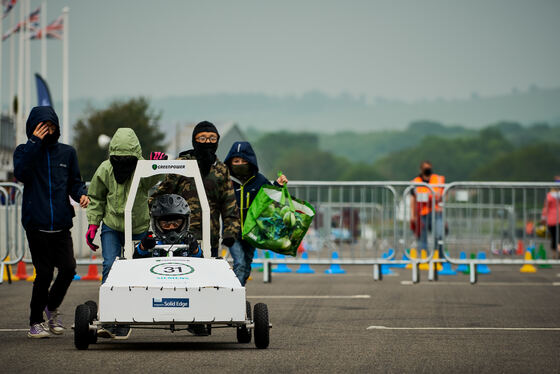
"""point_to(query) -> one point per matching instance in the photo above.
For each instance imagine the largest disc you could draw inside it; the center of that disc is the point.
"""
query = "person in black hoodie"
(49, 172)
(247, 181)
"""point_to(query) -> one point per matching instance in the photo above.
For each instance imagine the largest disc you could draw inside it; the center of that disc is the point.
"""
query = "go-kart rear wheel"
(81, 327)
(244, 333)
(93, 310)
(260, 319)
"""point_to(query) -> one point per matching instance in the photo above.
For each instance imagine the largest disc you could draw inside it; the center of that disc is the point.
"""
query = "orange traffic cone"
(22, 271)
(520, 250)
(8, 268)
(93, 274)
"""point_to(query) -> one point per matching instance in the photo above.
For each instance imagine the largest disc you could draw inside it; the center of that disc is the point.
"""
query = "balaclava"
(205, 153)
(123, 167)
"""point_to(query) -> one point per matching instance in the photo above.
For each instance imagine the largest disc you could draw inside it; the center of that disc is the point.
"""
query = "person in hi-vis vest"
(421, 205)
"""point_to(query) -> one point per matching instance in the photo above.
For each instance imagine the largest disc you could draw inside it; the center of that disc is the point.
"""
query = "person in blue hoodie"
(50, 173)
(247, 181)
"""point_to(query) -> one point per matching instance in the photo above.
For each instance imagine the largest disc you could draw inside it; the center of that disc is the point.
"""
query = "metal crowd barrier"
(492, 220)
(367, 223)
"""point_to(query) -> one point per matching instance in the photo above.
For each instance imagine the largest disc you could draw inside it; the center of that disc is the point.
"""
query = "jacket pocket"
(60, 175)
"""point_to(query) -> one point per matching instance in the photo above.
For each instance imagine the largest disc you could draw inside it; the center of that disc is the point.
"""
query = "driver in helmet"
(170, 219)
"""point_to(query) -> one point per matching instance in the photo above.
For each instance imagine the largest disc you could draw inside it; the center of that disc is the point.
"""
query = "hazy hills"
(315, 111)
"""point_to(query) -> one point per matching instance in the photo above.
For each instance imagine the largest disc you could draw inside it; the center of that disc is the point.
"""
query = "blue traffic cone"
(385, 270)
(305, 268)
(256, 256)
(482, 268)
(77, 277)
(463, 267)
(399, 265)
(447, 269)
(281, 268)
(335, 268)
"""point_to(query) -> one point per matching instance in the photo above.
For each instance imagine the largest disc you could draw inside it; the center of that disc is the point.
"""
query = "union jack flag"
(33, 22)
(7, 5)
(54, 30)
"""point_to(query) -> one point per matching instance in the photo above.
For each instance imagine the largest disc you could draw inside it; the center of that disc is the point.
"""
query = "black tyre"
(244, 333)
(260, 319)
(93, 310)
(92, 336)
(81, 327)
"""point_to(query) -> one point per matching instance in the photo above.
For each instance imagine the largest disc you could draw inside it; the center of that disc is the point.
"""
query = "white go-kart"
(171, 293)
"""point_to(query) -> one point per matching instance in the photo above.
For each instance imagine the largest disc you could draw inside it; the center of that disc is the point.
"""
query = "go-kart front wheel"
(92, 316)
(260, 319)
(244, 333)
(81, 327)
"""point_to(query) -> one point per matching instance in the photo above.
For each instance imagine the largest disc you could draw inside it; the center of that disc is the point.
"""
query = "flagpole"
(1, 44)
(28, 61)
(12, 66)
(44, 40)
(65, 111)
(20, 134)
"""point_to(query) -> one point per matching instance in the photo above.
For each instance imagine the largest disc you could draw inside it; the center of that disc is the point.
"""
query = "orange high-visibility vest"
(424, 194)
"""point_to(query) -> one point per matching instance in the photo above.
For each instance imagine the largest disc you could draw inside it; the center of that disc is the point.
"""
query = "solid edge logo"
(170, 303)
(167, 166)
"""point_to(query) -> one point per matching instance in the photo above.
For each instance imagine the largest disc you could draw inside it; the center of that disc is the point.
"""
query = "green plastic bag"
(277, 222)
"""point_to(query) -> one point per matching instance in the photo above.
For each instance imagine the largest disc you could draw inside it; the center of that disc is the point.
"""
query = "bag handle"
(286, 196)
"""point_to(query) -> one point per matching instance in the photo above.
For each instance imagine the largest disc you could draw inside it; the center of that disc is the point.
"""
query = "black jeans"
(50, 250)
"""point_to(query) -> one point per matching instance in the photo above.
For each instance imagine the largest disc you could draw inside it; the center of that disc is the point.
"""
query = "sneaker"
(54, 322)
(122, 332)
(107, 331)
(38, 331)
(198, 330)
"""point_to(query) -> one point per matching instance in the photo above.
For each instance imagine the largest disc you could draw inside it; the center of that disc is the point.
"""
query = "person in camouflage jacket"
(217, 184)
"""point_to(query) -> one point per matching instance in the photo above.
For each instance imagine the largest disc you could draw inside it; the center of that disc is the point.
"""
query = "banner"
(43, 93)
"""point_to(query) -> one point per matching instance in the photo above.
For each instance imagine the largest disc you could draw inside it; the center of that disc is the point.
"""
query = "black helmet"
(170, 207)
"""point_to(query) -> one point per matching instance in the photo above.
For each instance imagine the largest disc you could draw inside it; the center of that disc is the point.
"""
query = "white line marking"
(467, 328)
(13, 330)
(487, 284)
(310, 297)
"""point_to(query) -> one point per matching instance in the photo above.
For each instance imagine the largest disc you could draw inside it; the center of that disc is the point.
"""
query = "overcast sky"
(406, 50)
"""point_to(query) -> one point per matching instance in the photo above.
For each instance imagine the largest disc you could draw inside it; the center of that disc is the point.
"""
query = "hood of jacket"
(41, 114)
(125, 143)
(245, 151)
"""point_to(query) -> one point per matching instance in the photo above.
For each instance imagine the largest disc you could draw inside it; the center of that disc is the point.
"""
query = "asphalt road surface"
(507, 323)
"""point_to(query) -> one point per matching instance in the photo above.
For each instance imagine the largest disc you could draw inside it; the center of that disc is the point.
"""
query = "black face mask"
(427, 172)
(50, 139)
(241, 171)
(123, 167)
(205, 154)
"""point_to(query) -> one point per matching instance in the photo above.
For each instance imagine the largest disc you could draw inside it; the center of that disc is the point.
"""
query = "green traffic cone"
(468, 271)
(542, 256)
(266, 255)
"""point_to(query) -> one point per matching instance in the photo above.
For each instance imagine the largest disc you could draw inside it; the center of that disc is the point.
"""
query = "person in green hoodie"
(108, 192)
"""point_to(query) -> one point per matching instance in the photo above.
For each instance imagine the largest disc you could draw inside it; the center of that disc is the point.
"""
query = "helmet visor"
(168, 223)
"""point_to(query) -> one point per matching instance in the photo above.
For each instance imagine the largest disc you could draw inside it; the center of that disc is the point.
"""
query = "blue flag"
(43, 93)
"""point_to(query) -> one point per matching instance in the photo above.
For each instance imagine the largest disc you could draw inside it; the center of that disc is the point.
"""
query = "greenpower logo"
(168, 166)
(172, 269)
